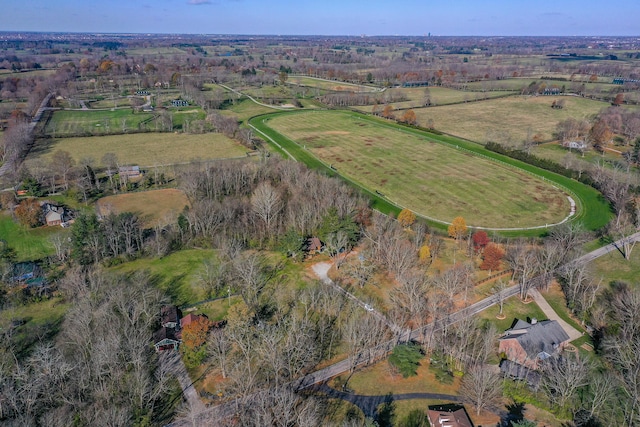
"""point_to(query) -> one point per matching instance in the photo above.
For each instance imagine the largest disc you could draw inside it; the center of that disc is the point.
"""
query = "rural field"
(154, 206)
(507, 120)
(64, 123)
(330, 85)
(432, 179)
(437, 95)
(145, 149)
(104, 122)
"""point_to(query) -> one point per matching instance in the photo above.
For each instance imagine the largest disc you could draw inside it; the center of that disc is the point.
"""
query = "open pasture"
(507, 120)
(329, 84)
(145, 149)
(432, 179)
(154, 207)
(416, 97)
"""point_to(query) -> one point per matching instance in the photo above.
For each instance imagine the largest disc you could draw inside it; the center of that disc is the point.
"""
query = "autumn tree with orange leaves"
(29, 213)
(409, 117)
(194, 336)
(387, 112)
(406, 218)
(458, 228)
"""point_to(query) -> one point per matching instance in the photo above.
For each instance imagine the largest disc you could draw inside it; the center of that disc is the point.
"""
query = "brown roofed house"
(445, 417)
(170, 316)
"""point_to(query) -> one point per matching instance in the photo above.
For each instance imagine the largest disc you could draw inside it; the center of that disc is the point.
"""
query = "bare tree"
(562, 377)
(482, 387)
(524, 261)
(266, 203)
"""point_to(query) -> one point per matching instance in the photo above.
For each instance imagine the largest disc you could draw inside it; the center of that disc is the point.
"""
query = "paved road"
(369, 404)
(210, 415)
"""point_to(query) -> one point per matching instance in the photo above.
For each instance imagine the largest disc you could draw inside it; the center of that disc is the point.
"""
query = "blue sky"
(328, 17)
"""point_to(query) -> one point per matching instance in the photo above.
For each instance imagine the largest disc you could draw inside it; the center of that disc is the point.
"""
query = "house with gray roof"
(528, 344)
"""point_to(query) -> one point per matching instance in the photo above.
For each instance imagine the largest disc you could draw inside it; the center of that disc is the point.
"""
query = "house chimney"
(534, 320)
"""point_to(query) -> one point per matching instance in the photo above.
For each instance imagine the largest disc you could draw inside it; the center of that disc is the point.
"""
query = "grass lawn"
(379, 380)
(29, 243)
(513, 308)
(145, 149)
(110, 103)
(431, 179)
(557, 153)
(174, 274)
(154, 206)
(507, 120)
(245, 109)
(613, 266)
(41, 319)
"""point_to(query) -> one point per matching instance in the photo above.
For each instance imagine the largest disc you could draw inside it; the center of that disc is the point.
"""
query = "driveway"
(573, 333)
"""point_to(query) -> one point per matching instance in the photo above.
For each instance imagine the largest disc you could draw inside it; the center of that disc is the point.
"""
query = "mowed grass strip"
(145, 149)
(329, 85)
(429, 178)
(507, 120)
(154, 206)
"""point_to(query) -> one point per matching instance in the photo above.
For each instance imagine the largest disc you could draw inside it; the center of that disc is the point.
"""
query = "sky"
(328, 17)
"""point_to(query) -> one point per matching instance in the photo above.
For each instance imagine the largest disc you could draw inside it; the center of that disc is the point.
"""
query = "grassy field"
(613, 266)
(65, 122)
(329, 85)
(41, 320)
(593, 211)
(154, 206)
(245, 109)
(29, 243)
(146, 149)
(110, 103)
(174, 274)
(507, 120)
(429, 178)
(437, 95)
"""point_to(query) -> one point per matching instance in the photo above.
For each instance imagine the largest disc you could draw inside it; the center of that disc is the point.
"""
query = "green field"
(64, 122)
(507, 120)
(429, 178)
(106, 122)
(145, 149)
(174, 274)
(29, 243)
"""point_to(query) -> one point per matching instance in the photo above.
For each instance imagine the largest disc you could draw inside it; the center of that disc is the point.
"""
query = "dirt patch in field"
(383, 182)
